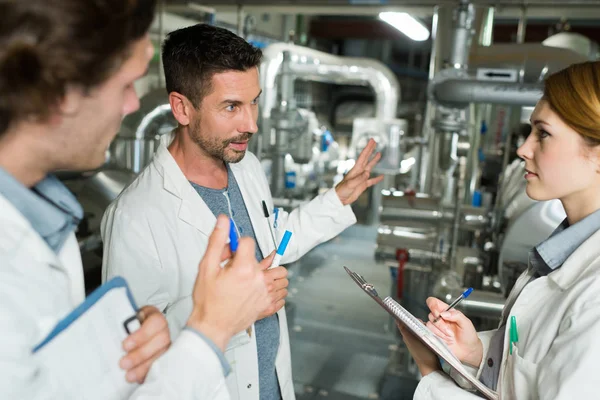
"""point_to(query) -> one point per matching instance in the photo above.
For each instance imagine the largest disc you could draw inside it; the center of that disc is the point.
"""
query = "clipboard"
(422, 333)
(81, 353)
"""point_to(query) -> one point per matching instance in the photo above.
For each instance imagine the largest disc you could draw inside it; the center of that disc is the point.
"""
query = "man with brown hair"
(67, 69)
(158, 227)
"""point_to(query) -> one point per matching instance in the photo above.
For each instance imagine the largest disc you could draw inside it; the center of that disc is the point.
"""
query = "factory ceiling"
(574, 9)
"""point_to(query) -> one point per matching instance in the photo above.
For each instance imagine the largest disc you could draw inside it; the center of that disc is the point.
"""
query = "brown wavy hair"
(49, 45)
(574, 94)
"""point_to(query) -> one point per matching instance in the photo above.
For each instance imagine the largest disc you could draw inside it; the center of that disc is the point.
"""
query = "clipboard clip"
(366, 286)
(132, 324)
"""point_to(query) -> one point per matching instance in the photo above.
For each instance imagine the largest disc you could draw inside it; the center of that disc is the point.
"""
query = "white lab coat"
(38, 288)
(558, 324)
(157, 231)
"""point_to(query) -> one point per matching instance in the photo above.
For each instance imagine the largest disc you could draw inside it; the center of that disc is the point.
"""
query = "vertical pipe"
(285, 104)
(289, 28)
(522, 25)
(486, 33)
(425, 167)
(240, 20)
(161, 35)
(475, 113)
(458, 190)
(462, 34)
(473, 167)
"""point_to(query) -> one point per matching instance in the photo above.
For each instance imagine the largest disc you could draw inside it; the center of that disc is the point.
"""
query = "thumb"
(245, 255)
(217, 242)
(454, 316)
(266, 262)
(436, 305)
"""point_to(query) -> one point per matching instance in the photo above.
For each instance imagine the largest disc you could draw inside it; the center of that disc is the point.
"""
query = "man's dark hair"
(48, 45)
(192, 55)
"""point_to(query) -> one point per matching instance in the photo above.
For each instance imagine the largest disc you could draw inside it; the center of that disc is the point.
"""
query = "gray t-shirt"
(229, 201)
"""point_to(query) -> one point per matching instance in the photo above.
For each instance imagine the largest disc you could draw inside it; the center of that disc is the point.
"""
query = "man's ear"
(71, 101)
(182, 108)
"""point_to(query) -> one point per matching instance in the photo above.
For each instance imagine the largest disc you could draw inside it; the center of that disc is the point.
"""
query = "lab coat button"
(490, 362)
(249, 385)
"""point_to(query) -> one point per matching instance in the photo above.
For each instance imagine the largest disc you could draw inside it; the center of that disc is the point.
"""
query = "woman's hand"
(426, 359)
(457, 331)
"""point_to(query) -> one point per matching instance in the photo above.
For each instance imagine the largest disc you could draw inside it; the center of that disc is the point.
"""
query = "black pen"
(266, 212)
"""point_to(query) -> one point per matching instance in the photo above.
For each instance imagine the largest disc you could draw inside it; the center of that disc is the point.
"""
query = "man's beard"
(216, 148)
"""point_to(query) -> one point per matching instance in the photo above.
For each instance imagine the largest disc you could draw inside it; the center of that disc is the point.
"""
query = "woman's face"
(559, 163)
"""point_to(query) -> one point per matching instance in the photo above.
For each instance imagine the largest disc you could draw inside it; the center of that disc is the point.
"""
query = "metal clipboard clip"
(366, 287)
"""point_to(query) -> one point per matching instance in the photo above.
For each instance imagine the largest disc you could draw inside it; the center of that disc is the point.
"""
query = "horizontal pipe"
(472, 218)
(479, 304)
(460, 92)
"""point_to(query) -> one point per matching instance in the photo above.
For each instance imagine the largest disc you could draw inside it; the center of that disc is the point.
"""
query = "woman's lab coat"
(38, 288)
(157, 231)
(558, 324)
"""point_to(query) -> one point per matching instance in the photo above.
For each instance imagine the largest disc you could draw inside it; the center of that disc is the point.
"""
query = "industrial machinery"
(468, 221)
(452, 211)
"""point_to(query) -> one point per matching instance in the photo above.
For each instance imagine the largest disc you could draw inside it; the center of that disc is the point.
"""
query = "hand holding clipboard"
(421, 332)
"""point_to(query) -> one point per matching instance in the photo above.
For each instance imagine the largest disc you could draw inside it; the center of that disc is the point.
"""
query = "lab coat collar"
(19, 227)
(192, 210)
(578, 263)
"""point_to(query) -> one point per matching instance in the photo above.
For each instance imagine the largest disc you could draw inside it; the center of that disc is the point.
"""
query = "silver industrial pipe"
(313, 65)
(462, 34)
(460, 92)
(430, 211)
(286, 103)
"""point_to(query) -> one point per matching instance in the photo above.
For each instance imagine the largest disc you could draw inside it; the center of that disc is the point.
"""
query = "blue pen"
(233, 236)
(460, 298)
(281, 249)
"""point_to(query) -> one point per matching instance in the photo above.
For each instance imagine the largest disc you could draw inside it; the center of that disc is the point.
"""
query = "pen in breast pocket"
(514, 334)
(266, 212)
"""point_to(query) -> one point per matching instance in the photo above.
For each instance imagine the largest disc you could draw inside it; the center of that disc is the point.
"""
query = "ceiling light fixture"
(407, 24)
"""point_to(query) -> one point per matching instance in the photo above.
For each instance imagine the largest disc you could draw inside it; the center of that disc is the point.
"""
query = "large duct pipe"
(313, 65)
(399, 209)
(460, 92)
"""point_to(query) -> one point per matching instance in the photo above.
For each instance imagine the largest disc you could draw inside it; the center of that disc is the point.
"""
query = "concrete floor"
(342, 347)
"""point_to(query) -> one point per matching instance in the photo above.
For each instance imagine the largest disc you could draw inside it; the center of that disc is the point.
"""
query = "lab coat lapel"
(580, 262)
(253, 197)
(193, 210)
(40, 249)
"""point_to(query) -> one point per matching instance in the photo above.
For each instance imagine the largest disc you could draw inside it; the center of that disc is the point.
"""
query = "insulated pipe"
(459, 93)
(400, 209)
(313, 65)
(462, 34)
(470, 218)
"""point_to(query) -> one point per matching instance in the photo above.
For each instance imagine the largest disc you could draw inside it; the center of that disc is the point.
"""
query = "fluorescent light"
(406, 24)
